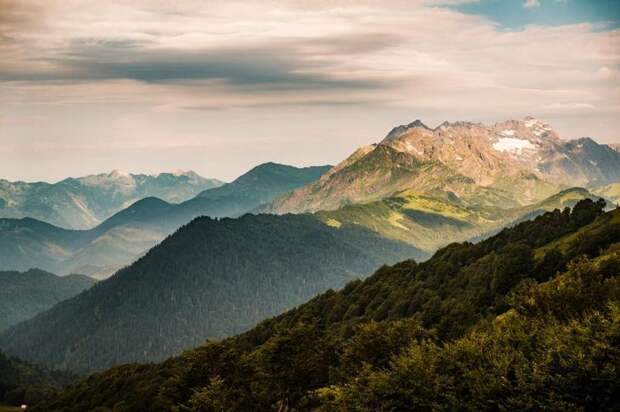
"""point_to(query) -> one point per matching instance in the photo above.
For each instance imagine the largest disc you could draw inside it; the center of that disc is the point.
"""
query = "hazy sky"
(220, 86)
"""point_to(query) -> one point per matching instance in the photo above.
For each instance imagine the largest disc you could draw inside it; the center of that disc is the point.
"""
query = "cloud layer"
(154, 71)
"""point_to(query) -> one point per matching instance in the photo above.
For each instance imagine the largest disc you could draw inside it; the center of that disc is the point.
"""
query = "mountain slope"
(429, 223)
(211, 279)
(505, 165)
(22, 383)
(424, 222)
(82, 203)
(380, 173)
(482, 327)
(258, 186)
(27, 243)
(123, 237)
(610, 192)
(23, 295)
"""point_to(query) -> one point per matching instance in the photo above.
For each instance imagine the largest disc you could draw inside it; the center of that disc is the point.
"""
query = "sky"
(220, 86)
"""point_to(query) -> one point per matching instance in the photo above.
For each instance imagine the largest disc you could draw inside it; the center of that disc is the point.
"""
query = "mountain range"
(23, 295)
(209, 267)
(506, 165)
(427, 187)
(211, 279)
(84, 202)
(527, 319)
(119, 240)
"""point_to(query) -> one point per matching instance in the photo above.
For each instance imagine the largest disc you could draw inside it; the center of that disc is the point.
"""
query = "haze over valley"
(309, 206)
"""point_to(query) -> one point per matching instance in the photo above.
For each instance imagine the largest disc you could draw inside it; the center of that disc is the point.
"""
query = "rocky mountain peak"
(118, 174)
(399, 130)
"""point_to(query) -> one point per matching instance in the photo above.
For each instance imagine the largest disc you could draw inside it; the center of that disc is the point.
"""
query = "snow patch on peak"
(513, 144)
(179, 172)
(118, 173)
(412, 148)
(508, 132)
(399, 130)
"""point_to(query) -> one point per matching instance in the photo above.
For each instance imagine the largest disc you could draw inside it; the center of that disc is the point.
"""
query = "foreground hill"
(118, 241)
(518, 321)
(505, 165)
(23, 383)
(211, 279)
(23, 295)
(84, 202)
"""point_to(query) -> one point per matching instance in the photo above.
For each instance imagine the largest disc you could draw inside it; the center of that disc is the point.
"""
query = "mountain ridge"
(210, 279)
(467, 328)
(25, 294)
(521, 161)
(84, 202)
(129, 233)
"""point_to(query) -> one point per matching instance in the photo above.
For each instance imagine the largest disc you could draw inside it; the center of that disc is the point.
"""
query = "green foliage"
(211, 279)
(211, 398)
(23, 383)
(23, 295)
(553, 353)
(452, 333)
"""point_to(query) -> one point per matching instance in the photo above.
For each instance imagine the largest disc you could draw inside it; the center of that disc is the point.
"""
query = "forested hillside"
(526, 320)
(23, 383)
(211, 279)
(23, 295)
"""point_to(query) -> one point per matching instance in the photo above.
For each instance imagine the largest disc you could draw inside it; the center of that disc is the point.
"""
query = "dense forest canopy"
(213, 278)
(23, 295)
(528, 319)
(23, 383)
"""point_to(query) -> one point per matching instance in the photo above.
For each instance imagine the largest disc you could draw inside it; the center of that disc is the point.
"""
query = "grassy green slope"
(430, 222)
(610, 191)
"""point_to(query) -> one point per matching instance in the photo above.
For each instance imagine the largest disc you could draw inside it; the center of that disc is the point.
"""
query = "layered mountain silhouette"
(23, 295)
(118, 241)
(211, 279)
(527, 317)
(221, 269)
(82, 203)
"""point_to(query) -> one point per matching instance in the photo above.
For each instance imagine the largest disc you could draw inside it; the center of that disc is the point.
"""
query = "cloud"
(95, 74)
(531, 4)
(267, 67)
(288, 51)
